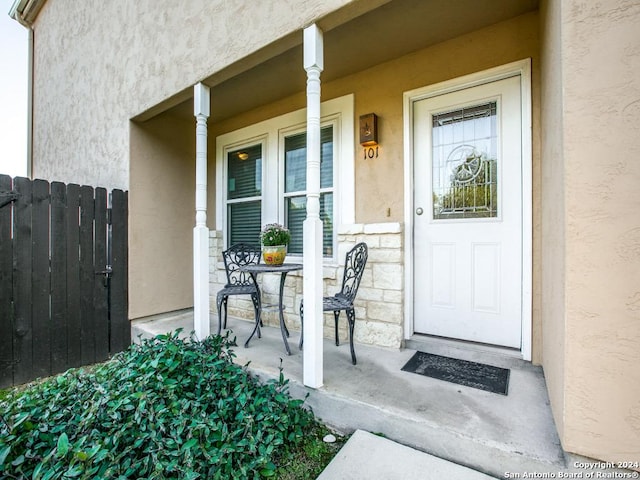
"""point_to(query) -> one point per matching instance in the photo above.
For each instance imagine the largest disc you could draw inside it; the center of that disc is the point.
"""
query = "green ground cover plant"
(167, 408)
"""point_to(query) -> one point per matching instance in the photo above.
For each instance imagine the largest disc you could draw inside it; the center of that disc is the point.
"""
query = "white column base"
(201, 282)
(312, 358)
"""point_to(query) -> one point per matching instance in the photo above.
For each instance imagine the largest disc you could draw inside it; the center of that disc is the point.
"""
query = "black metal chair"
(238, 282)
(354, 264)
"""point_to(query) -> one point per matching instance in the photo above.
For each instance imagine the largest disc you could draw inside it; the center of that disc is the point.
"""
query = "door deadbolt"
(419, 211)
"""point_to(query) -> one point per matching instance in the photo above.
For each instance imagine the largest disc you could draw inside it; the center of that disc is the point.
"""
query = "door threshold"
(471, 351)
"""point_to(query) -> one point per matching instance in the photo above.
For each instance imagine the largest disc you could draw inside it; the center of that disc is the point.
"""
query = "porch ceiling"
(396, 28)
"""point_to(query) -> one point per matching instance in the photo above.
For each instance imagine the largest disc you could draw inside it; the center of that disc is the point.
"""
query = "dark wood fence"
(63, 277)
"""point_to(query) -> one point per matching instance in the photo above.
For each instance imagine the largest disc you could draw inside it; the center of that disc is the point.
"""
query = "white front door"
(468, 214)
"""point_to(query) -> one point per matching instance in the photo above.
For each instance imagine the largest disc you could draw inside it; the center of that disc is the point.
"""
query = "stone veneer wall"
(379, 304)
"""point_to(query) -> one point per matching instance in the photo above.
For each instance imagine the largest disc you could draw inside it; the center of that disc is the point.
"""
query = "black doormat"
(471, 374)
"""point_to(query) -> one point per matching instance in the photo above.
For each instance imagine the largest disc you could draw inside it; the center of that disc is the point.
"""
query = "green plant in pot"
(274, 238)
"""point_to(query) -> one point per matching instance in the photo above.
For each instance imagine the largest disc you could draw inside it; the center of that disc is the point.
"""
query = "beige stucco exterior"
(553, 211)
(591, 235)
(112, 100)
(98, 65)
(162, 186)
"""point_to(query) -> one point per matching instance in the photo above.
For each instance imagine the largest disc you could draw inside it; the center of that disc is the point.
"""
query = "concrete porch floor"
(491, 433)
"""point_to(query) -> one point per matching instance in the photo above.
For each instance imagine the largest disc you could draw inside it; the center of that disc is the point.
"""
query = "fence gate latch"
(107, 274)
(8, 197)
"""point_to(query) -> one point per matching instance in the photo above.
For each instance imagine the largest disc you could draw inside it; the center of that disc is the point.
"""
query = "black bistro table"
(283, 269)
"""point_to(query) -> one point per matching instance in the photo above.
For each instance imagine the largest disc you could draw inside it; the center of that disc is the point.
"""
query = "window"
(295, 181)
(244, 189)
(261, 176)
(465, 167)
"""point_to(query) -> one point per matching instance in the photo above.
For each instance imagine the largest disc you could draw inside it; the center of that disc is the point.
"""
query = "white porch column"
(312, 227)
(200, 231)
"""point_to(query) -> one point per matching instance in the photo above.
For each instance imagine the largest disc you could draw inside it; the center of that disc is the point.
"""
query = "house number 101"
(370, 152)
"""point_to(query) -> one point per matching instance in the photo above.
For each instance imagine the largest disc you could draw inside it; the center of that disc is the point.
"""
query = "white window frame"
(238, 146)
(334, 121)
(271, 132)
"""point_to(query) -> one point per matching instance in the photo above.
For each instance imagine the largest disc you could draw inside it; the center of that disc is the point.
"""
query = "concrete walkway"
(446, 426)
(366, 456)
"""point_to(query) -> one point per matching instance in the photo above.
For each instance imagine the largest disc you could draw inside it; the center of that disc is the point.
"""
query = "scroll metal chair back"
(354, 265)
(355, 262)
(238, 282)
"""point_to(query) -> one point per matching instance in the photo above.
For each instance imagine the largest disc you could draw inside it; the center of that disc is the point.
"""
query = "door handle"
(419, 211)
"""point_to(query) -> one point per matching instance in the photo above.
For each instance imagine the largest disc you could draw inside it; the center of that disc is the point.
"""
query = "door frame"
(522, 69)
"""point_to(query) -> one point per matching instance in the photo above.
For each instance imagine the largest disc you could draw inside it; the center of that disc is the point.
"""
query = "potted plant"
(274, 238)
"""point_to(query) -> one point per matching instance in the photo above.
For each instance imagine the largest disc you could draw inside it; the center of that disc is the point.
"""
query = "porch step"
(490, 433)
(149, 327)
(367, 457)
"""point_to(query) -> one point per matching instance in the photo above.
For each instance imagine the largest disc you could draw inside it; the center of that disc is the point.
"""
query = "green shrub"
(167, 408)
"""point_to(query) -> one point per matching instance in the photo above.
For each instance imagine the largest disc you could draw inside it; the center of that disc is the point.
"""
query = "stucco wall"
(553, 211)
(595, 384)
(161, 216)
(601, 78)
(98, 64)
